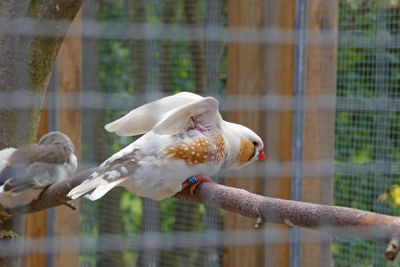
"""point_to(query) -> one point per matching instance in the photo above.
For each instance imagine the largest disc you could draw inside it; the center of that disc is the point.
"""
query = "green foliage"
(367, 70)
(131, 207)
(168, 214)
(115, 72)
(89, 227)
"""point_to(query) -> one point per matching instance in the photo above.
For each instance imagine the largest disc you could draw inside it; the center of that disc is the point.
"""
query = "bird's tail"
(94, 188)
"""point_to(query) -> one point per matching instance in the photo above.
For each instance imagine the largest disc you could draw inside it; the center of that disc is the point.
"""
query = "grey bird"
(25, 172)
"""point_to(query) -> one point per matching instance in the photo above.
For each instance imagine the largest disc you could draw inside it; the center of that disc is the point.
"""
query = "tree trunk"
(25, 67)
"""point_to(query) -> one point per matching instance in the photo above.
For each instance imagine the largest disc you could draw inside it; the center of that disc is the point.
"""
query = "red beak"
(261, 154)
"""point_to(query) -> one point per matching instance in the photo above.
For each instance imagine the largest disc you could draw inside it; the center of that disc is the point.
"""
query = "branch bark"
(330, 219)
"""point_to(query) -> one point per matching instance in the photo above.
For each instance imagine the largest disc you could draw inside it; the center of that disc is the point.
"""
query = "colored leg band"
(192, 180)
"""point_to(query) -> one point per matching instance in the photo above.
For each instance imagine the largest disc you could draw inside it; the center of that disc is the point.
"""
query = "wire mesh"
(366, 137)
(146, 68)
(338, 134)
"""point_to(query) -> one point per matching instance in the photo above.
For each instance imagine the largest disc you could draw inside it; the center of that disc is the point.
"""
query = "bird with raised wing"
(184, 137)
(25, 172)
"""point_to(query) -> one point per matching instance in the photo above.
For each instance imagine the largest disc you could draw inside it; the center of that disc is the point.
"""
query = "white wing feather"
(4, 155)
(85, 187)
(170, 115)
(102, 189)
(96, 186)
(143, 118)
(175, 121)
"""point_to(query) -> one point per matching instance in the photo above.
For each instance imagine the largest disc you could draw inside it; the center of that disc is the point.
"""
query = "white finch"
(185, 136)
(25, 172)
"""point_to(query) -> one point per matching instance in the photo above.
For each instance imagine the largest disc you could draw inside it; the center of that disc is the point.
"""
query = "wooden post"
(266, 69)
(70, 70)
(279, 73)
(35, 226)
(245, 76)
(244, 65)
(319, 128)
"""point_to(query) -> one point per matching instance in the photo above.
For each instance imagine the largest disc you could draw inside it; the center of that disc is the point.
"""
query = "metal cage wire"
(328, 109)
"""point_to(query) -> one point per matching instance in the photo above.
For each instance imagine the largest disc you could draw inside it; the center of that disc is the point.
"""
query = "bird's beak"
(261, 154)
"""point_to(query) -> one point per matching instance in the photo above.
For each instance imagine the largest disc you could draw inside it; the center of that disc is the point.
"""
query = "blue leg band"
(192, 180)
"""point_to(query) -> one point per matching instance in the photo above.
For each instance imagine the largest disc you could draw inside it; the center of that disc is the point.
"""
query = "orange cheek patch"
(247, 150)
(199, 150)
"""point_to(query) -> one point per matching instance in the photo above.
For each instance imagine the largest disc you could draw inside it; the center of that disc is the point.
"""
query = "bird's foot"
(194, 181)
(7, 234)
(260, 221)
(4, 216)
(70, 205)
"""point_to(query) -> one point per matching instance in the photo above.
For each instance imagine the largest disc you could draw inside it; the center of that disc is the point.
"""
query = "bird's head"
(57, 138)
(244, 145)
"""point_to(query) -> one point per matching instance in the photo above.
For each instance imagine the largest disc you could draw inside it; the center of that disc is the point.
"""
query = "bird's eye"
(255, 143)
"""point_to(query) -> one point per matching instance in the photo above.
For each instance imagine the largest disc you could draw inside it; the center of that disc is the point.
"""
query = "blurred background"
(319, 80)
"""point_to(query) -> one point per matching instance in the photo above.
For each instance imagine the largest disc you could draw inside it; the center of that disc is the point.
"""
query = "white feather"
(142, 119)
(97, 184)
(85, 187)
(176, 120)
(102, 189)
(4, 155)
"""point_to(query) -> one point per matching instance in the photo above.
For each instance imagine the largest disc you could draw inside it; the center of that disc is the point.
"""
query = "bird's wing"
(36, 175)
(106, 177)
(14, 165)
(25, 163)
(199, 114)
(143, 118)
(11, 171)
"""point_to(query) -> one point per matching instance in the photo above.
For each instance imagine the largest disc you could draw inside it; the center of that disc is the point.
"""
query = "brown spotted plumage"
(198, 150)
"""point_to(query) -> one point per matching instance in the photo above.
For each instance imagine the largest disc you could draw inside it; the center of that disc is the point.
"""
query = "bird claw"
(7, 234)
(4, 215)
(260, 221)
(194, 181)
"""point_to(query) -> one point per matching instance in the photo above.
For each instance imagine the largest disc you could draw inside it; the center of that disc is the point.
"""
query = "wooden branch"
(330, 219)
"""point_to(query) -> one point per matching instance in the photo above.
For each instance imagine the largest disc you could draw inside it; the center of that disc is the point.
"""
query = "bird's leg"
(194, 181)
